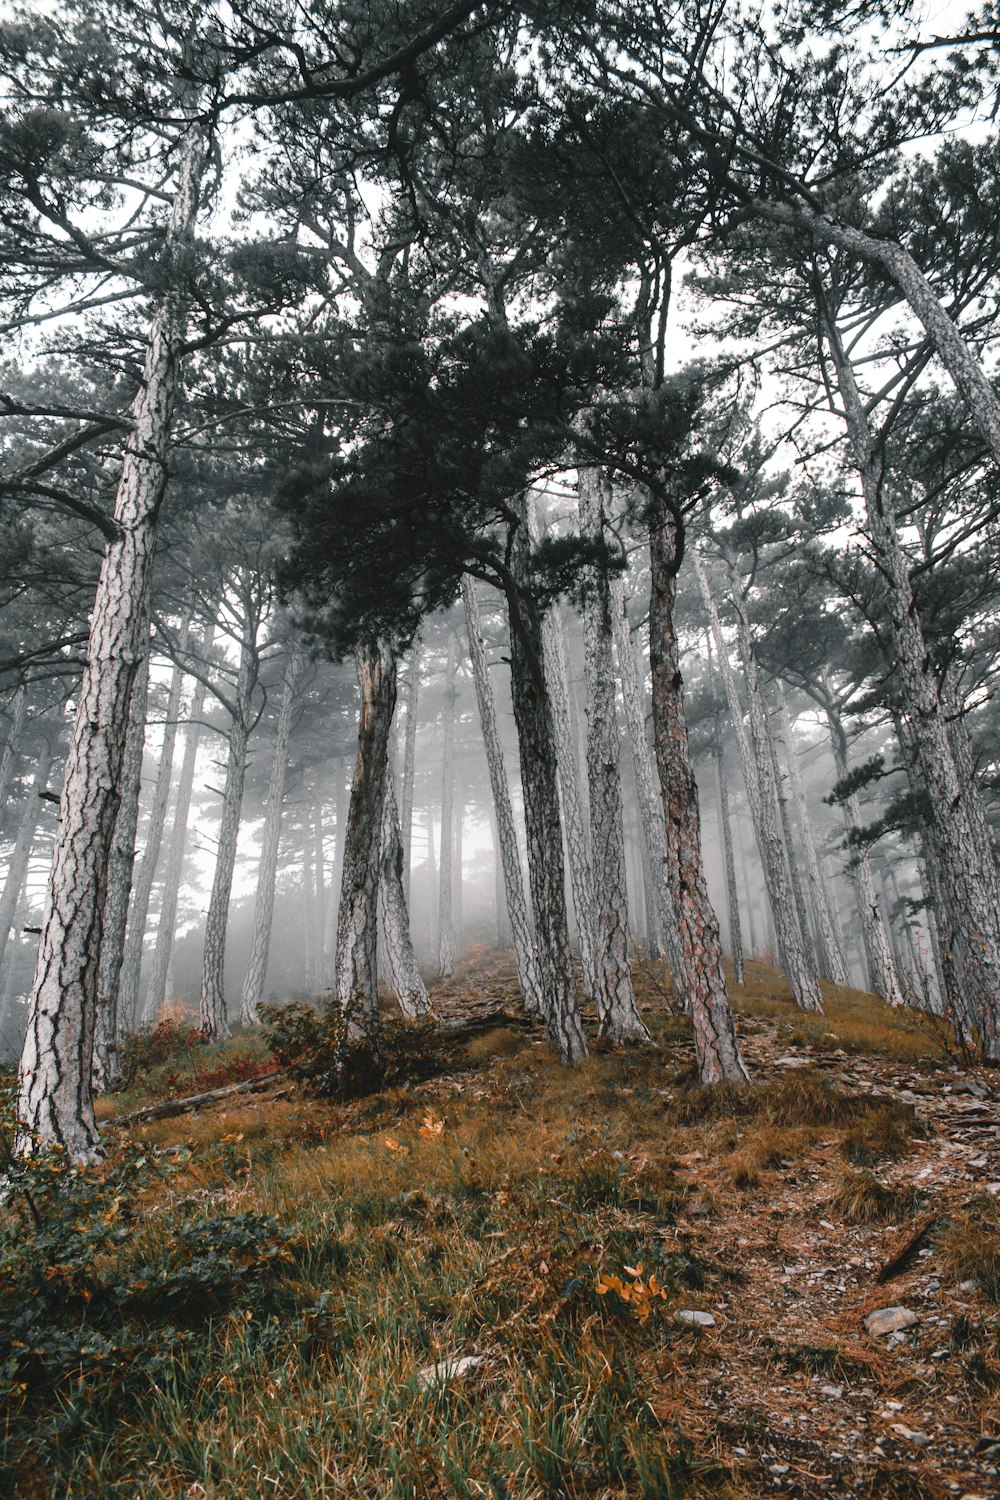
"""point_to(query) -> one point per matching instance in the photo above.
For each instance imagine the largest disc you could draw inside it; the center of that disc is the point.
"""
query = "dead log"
(170, 1107)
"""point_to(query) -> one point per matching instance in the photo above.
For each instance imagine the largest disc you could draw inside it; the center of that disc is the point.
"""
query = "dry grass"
(968, 1247)
(859, 1197)
(851, 1020)
(474, 1215)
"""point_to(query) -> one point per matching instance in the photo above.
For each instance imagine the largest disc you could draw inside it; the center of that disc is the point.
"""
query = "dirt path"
(799, 1398)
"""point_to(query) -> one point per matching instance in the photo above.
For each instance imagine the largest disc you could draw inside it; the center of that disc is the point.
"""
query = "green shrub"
(339, 1052)
(168, 1041)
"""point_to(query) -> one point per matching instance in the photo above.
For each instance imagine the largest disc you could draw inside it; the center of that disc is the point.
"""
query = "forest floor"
(486, 1283)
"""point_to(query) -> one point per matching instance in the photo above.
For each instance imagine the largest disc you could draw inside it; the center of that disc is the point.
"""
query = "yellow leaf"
(432, 1127)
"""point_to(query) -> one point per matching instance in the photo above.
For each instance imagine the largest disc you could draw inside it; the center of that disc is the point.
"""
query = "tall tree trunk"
(574, 813)
(789, 841)
(509, 857)
(263, 910)
(340, 804)
(20, 857)
(322, 887)
(407, 980)
(409, 765)
(955, 821)
(458, 866)
(755, 758)
(726, 827)
(447, 947)
(732, 889)
(501, 911)
(135, 933)
(617, 1011)
(882, 977)
(106, 1069)
(166, 921)
(835, 961)
(702, 977)
(749, 907)
(356, 978)
(12, 744)
(650, 802)
(214, 1020)
(55, 1101)
(308, 902)
(539, 781)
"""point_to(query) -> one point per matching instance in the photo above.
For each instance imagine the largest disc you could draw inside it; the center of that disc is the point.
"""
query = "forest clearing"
(482, 1282)
(499, 748)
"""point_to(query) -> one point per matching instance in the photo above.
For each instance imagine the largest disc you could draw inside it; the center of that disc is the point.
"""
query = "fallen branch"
(905, 1247)
(473, 1023)
(170, 1107)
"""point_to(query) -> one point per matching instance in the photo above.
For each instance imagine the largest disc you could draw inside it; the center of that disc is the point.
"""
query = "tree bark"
(789, 841)
(447, 946)
(214, 1020)
(20, 857)
(12, 744)
(882, 977)
(322, 886)
(832, 948)
(106, 1070)
(407, 980)
(955, 821)
(539, 781)
(340, 801)
(503, 936)
(135, 934)
(263, 911)
(574, 813)
(307, 906)
(617, 1011)
(702, 978)
(409, 765)
(761, 793)
(356, 977)
(650, 808)
(508, 854)
(725, 824)
(166, 921)
(732, 889)
(55, 1102)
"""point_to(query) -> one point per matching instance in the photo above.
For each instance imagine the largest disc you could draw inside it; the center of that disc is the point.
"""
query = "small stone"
(793, 1062)
(778, 1469)
(692, 1318)
(970, 1086)
(833, 1391)
(450, 1369)
(918, 1439)
(741, 1451)
(968, 1286)
(890, 1320)
(993, 1187)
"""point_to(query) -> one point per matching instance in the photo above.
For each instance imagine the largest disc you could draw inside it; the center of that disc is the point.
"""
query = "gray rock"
(691, 1318)
(890, 1320)
(918, 1439)
(450, 1369)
